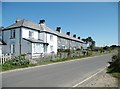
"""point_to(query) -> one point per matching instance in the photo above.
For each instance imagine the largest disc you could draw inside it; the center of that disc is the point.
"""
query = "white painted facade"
(25, 33)
(26, 40)
(52, 40)
(26, 46)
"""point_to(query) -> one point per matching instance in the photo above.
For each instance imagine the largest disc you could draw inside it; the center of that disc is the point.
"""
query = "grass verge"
(115, 74)
(6, 67)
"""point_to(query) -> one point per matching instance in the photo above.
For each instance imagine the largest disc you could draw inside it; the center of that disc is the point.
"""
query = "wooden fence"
(4, 57)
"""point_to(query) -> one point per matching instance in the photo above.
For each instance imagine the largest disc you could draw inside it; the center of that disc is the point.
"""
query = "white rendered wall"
(25, 33)
(52, 43)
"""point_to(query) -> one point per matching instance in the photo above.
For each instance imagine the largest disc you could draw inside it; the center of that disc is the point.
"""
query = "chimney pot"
(68, 33)
(58, 29)
(42, 21)
(78, 37)
(74, 35)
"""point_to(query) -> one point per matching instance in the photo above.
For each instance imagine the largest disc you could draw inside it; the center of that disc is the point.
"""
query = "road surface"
(57, 75)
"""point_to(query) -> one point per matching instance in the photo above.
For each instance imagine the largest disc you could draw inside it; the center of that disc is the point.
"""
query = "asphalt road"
(57, 75)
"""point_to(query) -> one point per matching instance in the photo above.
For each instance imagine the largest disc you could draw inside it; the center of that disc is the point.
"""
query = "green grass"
(6, 67)
(114, 68)
(11, 67)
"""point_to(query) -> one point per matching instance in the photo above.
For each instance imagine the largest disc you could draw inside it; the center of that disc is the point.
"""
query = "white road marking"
(88, 78)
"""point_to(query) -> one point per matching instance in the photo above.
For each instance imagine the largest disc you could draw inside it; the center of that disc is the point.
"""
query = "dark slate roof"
(40, 27)
(34, 41)
(24, 23)
(45, 28)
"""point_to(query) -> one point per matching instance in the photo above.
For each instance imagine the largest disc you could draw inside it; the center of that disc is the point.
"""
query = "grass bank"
(114, 68)
(8, 66)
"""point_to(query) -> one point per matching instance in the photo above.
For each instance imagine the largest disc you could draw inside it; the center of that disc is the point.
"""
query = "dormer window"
(12, 34)
(31, 34)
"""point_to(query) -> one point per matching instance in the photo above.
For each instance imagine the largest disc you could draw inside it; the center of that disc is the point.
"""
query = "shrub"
(115, 64)
(17, 61)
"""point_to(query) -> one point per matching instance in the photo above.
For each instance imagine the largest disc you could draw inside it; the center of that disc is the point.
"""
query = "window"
(37, 48)
(12, 34)
(31, 34)
(12, 48)
(51, 37)
(45, 48)
(51, 48)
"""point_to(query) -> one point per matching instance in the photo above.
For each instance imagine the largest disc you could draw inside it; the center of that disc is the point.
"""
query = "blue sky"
(96, 19)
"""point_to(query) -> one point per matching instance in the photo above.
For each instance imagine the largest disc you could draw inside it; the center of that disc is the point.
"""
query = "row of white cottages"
(26, 37)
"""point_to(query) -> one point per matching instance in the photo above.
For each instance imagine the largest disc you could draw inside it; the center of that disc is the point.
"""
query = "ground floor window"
(51, 48)
(45, 48)
(38, 48)
(12, 48)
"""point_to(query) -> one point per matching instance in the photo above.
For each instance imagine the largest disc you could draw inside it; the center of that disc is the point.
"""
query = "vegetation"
(114, 67)
(89, 41)
(22, 62)
(16, 62)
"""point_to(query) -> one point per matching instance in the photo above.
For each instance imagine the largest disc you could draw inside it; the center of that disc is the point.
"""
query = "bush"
(115, 64)
(16, 62)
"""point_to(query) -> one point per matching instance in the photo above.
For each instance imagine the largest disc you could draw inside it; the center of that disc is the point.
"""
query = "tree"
(85, 40)
(89, 41)
(92, 46)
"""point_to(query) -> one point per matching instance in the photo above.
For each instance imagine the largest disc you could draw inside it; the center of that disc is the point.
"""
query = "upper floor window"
(51, 37)
(31, 34)
(12, 34)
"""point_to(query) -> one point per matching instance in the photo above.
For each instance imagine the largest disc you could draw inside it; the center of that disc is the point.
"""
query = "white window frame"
(12, 34)
(12, 48)
(31, 34)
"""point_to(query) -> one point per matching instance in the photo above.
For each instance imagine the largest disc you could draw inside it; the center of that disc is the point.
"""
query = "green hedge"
(16, 62)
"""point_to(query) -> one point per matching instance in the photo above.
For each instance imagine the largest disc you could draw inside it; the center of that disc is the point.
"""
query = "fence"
(4, 57)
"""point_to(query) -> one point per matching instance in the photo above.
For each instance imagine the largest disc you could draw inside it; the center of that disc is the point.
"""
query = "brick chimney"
(42, 21)
(78, 37)
(74, 35)
(68, 33)
(58, 29)
(17, 20)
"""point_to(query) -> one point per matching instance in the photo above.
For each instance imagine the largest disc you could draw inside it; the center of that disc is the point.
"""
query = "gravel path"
(101, 80)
